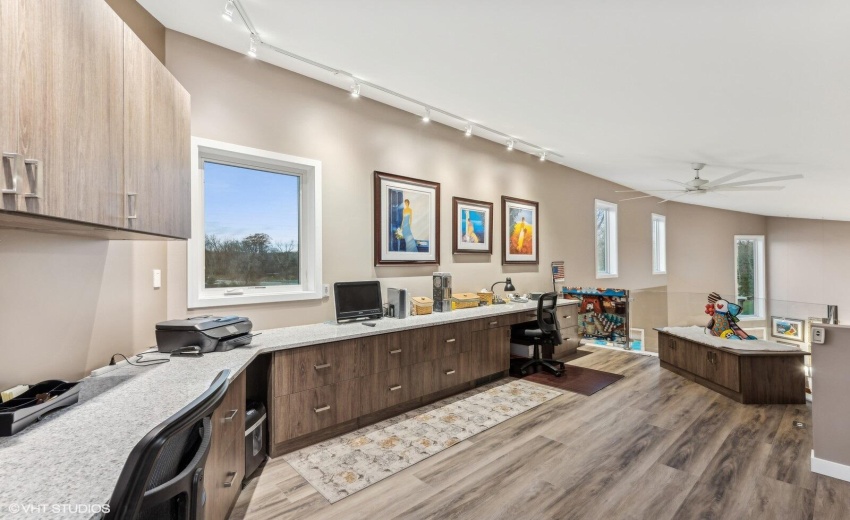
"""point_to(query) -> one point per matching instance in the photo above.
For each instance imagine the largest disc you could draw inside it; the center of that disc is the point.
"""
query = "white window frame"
(759, 275)
(612, 242)
(310, 225)
(659, 245)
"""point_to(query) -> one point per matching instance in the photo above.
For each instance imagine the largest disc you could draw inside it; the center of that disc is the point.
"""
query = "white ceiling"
(627, 90)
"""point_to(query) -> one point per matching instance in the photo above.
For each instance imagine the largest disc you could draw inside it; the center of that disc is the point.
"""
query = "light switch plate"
(818, 335)
(157, 278)
(326, 291)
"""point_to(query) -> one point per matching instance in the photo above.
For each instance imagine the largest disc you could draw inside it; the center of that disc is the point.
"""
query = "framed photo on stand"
(520, 231)
(407, 220)
(788, 329)
(472, 226)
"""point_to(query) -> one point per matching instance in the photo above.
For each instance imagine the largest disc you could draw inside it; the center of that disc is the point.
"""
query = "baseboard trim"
(830, 469)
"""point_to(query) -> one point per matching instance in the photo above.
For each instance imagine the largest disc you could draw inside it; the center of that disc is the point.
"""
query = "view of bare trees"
(253, 260)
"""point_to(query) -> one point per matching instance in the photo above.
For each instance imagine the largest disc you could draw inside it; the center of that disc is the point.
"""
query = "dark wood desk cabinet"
(749, 377)
(322, 391)
(225, 467)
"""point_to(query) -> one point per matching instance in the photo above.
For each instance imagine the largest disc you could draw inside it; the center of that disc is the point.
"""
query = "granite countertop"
(741, 347)
(75, 456)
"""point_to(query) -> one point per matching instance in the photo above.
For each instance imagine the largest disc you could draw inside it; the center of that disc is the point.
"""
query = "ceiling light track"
(466, 124)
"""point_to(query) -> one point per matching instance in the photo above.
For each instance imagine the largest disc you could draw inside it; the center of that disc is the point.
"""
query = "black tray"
(18, 413)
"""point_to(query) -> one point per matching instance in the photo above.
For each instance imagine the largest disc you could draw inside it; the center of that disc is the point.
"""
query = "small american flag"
(558, 274)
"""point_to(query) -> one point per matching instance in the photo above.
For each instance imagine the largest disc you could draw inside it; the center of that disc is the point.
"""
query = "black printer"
(209, 333)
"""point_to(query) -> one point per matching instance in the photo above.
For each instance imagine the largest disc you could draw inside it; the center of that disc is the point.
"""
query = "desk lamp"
(509, 287)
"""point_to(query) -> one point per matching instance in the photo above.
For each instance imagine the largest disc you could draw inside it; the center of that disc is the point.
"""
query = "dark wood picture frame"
(456, 201)
(378, 205)
(536, 231)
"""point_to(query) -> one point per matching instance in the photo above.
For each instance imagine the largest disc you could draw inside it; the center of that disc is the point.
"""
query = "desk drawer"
(568, 316)
(392, 387)
(450, 340)
(494, 322)
(447, 372)
(315, 409)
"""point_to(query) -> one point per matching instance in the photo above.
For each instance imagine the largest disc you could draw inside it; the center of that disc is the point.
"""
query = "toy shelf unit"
(603, 317)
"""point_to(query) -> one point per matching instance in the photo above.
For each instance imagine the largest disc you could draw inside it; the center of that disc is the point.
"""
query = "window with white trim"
(750, 276)
(256, 226)
(606, 239)
(659, 244)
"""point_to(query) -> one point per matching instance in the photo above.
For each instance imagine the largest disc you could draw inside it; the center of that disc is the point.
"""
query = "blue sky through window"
(240, 201)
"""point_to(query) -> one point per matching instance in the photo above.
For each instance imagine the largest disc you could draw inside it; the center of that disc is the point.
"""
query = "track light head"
(543, 156)
(510, 145)
(426, 117)
(355, 89)
(227, 14)
(252, 49)
(468, 131)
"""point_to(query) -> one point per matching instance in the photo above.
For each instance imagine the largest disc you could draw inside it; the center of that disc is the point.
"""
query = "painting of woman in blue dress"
(409, 228)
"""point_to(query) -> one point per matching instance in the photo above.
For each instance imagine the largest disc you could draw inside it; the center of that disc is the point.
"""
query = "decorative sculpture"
(724, 320)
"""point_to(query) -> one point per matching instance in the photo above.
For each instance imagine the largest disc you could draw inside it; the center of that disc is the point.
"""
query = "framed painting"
(472, 226)
(788, 328)
(407, 220)
(520, 231)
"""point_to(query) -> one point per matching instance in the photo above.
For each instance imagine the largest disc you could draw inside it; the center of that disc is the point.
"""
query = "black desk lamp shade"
(509, 287)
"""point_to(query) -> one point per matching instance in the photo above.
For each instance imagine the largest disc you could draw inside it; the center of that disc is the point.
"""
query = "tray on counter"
(20, 412)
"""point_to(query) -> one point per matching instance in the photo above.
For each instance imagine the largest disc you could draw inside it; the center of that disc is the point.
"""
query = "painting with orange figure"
(522, 232)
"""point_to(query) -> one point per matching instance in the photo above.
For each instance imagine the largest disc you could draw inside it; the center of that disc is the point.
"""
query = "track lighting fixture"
(252, 50)
(228, 11)
(511, 145)
(543, 156)
(468, 131)
(427, 116)
(355, 89)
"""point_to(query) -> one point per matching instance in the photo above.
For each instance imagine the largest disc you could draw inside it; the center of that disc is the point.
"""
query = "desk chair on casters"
(547, 332)
(163, 477)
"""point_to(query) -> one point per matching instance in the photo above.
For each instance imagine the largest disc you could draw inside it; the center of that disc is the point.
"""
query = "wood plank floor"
(652, 445)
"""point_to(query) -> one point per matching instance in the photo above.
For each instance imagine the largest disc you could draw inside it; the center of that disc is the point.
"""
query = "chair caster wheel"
(559, 374)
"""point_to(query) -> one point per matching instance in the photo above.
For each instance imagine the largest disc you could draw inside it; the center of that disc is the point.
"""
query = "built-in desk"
(77, 456)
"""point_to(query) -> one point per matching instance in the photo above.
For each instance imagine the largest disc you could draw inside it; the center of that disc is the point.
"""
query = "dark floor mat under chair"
(585, 381)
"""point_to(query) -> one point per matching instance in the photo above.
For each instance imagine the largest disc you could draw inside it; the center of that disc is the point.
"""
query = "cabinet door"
(8, 100)
(70, 109)
(225, 467)
(156, 145)
(491, 352)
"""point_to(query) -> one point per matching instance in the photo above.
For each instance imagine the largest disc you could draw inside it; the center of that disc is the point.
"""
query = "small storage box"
(465, 300)
(20, 412)
(486, 297)
(421, 305)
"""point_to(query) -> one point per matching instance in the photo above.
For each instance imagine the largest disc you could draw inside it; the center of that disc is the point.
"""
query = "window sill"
(751, 318)
(601, 276)
(250, 299)
(659, 272)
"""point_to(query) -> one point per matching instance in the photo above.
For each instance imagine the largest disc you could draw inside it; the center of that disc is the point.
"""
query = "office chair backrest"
(163, 476)
(547, 318)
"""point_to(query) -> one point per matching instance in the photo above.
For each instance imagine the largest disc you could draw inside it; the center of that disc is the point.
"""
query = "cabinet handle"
(231, 415)
(11, 157)
(322, 367)
(394, 388)
(449, 372)
(231, 476)
(32, 164)
(567, 317)
(396, 351)
(131, 206)
(494, 323)
(451, 340)
(322, 409)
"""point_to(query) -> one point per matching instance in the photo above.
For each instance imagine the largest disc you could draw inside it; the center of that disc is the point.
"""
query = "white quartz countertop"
(74, 459)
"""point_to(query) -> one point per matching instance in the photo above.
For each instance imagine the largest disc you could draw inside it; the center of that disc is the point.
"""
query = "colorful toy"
(724, 320)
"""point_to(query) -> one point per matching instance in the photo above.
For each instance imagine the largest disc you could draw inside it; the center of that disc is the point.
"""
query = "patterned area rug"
(344, 465)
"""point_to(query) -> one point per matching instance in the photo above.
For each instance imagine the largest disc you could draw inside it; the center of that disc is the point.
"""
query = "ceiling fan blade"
(636, 198)
(647, 191)
(747, 188)
(674, 198)
(735, 175)
(760, 181)
(677, 182)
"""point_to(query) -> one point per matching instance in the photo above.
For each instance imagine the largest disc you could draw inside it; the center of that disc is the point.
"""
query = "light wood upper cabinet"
(70, 116)
(95, 129)
(156, 144)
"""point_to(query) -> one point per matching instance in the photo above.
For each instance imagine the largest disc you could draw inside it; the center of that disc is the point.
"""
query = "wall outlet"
(818, 335)
(326, 291)
(157, 278)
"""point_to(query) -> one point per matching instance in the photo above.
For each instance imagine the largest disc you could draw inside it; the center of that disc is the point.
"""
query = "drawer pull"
(494, 323)
(231, 476)
(31, 165)
(394, 388)
(567, 317)
(449, 372)
(322, 366)
(322, 409)
(451, 340)
(396, 351)
(231, 415)
(11, 157)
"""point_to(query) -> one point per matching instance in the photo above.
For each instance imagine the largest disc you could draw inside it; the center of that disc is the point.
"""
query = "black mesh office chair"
(547, 333)
(163, 477)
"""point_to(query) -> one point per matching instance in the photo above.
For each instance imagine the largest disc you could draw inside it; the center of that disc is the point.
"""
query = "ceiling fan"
(699, 186)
